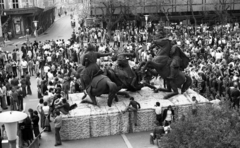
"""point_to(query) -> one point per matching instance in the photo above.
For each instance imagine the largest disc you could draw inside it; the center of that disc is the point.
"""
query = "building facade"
(17, 16)
(176, 9)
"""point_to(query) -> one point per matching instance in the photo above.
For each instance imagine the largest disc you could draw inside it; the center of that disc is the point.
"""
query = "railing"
(35, 143)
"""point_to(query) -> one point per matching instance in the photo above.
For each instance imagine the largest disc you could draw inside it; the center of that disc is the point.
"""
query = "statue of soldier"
(124, 71)
(179, 61)
(91, 69)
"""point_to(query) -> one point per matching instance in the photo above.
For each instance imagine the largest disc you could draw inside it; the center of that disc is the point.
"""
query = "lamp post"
(146, 19)
(35, 25)
(10, 120)
(27, 37)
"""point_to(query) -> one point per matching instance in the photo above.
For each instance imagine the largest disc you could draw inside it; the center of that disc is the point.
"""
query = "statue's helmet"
(161, 33)
(91, 47)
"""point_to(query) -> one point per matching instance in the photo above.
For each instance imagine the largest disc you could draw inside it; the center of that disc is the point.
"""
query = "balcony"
(19, 11)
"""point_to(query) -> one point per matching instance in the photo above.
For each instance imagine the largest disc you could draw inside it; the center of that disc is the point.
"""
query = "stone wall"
(91, 121)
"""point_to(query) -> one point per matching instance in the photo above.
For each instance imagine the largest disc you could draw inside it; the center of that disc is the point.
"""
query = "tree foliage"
(163, 7)
(211, 128)
(221, 8)
(191, 9)
(112, 11)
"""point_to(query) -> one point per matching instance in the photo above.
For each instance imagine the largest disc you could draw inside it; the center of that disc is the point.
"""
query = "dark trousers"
(236, 103)
(24, 91)
(47, 125)
(159, 118)
(3, 102)
(194, 112)
(57, 136)
(115, 43)
(24, 71)
(20, 103)
(167, 123)
(36, 131)
(29, 91)
(8, 100)
(14, 71)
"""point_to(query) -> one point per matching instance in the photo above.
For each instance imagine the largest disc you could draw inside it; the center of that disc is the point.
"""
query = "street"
(61, 29)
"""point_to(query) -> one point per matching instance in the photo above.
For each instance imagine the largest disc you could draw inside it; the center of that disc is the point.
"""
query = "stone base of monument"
(94, 121)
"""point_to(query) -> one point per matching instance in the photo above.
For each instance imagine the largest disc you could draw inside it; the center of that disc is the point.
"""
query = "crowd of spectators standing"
(213, 52)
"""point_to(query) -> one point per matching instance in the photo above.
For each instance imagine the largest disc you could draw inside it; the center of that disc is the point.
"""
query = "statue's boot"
(172, 73)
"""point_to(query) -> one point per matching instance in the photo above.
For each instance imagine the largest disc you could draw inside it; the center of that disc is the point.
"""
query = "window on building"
(27, 3)
(1, 4)
(15, 4)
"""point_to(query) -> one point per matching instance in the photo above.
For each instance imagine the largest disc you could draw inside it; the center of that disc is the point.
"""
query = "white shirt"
(46, 98)
(24, 64)
(49, 59)
(39, 81)
(46, 68)
(158, 110)
(178, 43)
(57, 54)
(169, 115)
(29, 53)
(101, 49)
(68, 42)
(46, 52)
(219, 55)
(50, 76)
(46, 110)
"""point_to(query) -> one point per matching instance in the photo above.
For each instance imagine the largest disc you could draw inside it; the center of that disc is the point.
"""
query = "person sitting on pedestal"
(63, 106)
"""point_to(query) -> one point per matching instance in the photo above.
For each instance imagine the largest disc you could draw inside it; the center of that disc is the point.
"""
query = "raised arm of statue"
(99, 55)
(127, 54)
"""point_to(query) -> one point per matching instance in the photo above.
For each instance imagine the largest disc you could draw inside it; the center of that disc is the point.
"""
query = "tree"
(112, 12)
(211, 128)
(221, 8)
(192, 13)
(163, 7)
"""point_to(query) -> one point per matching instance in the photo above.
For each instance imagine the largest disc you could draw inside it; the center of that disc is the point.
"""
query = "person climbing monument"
(133, 106)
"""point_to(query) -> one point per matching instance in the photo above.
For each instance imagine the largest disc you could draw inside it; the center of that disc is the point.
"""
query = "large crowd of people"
(214, 67)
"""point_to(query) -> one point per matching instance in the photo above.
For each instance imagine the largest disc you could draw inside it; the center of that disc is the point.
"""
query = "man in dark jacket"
(234, 95)
(35, 121)
(23, 85)
(157, 133)
(28, 83)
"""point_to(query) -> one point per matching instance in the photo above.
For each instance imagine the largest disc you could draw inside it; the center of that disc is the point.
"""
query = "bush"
(211, 128)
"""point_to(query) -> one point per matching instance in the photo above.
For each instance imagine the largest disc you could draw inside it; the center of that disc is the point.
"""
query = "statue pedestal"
(91, 121)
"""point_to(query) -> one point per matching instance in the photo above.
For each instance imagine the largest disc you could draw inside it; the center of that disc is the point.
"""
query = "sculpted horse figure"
(93, 80)
(168, 62)
(123, 75)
